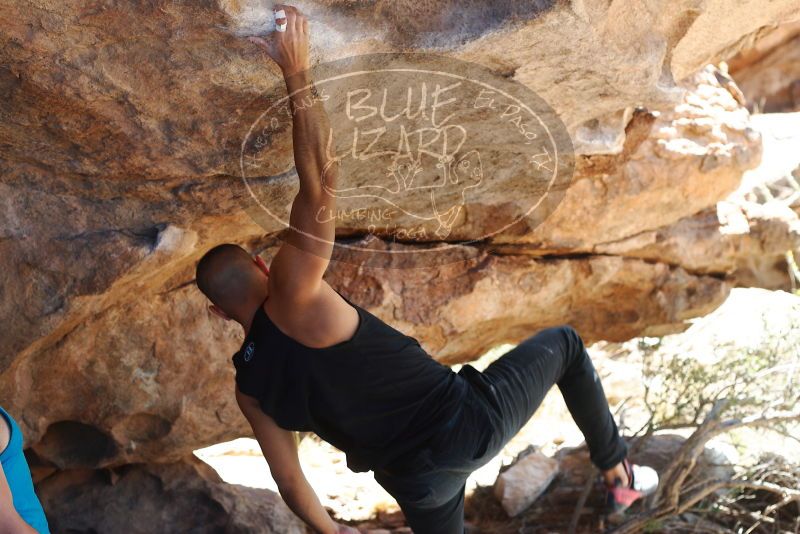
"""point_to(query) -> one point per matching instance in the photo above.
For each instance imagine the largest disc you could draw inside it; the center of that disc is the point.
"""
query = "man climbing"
(313, 361)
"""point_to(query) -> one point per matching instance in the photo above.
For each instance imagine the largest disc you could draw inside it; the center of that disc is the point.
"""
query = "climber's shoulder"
(317, 319)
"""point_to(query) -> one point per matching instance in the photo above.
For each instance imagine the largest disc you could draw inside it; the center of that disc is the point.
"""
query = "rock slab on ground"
(185, 496)
(521, 484)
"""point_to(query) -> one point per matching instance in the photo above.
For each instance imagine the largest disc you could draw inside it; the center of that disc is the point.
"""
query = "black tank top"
(376, 396)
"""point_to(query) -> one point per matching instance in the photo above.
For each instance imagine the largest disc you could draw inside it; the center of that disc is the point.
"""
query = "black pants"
(429, 484)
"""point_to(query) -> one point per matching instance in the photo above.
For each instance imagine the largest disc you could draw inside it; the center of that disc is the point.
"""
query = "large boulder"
(122, 131)
(119, 172)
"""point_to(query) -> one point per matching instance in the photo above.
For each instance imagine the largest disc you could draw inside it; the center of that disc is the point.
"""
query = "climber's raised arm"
(299, 265)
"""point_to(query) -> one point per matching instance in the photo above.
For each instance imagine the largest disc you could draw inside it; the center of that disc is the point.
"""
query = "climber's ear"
(216, 310)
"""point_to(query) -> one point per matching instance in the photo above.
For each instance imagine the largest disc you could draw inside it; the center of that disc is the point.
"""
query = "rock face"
(745, 236)
(120, 145)
(768, 71)
(173, 397)
(185, 496)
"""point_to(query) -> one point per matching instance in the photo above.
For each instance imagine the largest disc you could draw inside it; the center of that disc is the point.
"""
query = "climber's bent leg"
(519, 380)
(429, 483)
(431, 497)
(446, 518)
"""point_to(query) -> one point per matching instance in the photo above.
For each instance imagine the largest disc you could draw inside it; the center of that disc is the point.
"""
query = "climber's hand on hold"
(289, 48)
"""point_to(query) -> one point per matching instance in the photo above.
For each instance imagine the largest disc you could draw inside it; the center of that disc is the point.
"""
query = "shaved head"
(229, 277)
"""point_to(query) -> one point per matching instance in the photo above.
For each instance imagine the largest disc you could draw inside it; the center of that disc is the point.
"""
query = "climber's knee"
(568, 332)
(569, 344)
(563, 334)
